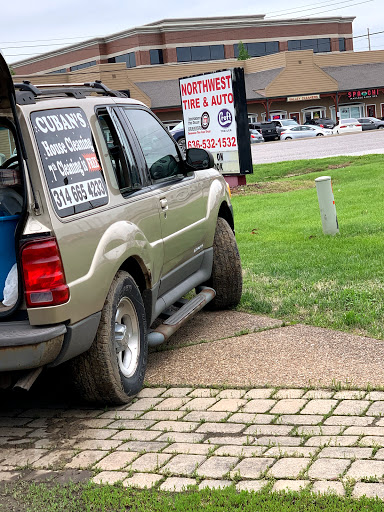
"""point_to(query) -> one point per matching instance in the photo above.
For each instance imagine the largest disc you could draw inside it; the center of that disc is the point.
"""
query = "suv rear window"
(71, 166)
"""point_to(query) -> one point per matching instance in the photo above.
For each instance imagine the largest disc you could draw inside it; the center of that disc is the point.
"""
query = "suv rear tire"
(226, 278)
(112, 370)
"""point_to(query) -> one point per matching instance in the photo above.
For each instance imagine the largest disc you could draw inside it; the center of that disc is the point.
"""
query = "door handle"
(164, 204)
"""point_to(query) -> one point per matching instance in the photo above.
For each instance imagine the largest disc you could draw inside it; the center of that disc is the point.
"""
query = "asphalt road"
(354, 144)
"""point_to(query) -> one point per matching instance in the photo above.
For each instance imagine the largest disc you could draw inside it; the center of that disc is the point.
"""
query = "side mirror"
(199, 159)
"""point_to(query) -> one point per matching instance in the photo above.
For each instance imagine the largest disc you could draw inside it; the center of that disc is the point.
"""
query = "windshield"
(179, 126)
(288, 122)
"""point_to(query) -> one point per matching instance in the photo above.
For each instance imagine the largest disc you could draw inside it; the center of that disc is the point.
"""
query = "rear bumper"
(23, 346)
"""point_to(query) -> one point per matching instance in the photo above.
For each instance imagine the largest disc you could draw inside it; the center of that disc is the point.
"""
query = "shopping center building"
(299, 68)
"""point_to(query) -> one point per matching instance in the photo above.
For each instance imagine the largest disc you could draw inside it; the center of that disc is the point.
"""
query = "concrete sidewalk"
(220, 353)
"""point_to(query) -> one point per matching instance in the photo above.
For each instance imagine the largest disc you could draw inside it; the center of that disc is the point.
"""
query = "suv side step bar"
(185, 313)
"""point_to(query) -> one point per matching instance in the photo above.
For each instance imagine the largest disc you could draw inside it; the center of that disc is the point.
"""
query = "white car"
(350, 125)
(302, 130)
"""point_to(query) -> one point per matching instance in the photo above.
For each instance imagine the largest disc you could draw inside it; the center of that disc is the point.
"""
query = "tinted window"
(123, 161)
(200, 53)
(183, 54)
(156, 56)
(71, 166)
(217, 51)
(62, 70)
(317, 45)
(341, 44)
(159, 150)
(82, 66)
(258, 49)
(128, 58)
(324, 45)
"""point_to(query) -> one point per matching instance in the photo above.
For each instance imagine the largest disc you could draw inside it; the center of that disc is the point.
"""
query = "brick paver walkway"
(175, 437)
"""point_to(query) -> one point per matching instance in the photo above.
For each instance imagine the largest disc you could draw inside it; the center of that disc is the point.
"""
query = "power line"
(371, 34)
(314, 8)
(295, 9)
(338, 8)
(124, 46)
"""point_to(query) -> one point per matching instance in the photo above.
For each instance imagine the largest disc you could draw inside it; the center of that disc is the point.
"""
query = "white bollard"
(327, 205)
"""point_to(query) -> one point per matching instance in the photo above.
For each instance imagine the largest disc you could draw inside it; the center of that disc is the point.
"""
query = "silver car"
(302, 131)
(255, 136)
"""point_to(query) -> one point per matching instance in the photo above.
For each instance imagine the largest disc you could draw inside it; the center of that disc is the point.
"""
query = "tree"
(11, 70)
(243, 52)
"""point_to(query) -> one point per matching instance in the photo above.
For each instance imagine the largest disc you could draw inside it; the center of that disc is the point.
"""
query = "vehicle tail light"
(253, 136)
(282, 133)
(343, 126)
(43, 273)
(357, 124)
(321, 126)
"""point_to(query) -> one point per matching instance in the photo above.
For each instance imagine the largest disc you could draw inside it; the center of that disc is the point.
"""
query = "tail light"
(357, 124)
(282, 133)
(343, 126)
(253, 136)
(321, 126)
(43, 273)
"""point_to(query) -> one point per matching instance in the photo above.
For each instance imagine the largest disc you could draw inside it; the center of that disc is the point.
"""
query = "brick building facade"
(194, 40)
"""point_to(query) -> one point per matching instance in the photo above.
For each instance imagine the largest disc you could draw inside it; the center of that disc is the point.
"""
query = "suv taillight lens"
(43, 273)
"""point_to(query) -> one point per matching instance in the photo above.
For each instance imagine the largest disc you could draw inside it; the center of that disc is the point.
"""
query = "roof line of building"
(183, 24)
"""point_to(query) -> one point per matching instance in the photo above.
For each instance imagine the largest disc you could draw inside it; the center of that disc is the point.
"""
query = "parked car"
(301, 131)
(112, 228)
(371, 123)
(283, 124)
(268, 130)
(255, 136)
(271, 130)
(323, 122)
(171, 124)
(178, 134)
(350, 125)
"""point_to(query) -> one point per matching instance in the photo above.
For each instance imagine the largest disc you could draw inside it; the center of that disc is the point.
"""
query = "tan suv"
(106, 228)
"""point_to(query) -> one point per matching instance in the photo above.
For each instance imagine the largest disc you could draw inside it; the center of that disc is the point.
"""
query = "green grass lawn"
(89, 497)
(294, 272)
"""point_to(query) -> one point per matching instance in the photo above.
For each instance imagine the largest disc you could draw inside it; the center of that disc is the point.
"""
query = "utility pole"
(369, 40)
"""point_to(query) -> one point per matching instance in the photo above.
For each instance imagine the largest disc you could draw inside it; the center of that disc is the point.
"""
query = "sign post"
(215, 118)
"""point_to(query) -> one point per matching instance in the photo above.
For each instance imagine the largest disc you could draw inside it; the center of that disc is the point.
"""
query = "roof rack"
(26, 93)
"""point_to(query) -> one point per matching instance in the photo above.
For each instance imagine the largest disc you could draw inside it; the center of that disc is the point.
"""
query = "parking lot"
(353, 144)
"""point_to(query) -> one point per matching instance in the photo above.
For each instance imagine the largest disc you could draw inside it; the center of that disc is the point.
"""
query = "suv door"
(183, 207)
(137, 202)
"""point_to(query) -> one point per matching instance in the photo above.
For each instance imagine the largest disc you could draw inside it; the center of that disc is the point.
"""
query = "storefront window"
(274, 114)
(313, 113)
(347, 111)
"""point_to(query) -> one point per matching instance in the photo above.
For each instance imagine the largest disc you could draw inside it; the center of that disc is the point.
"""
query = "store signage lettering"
(215, 118)
(209, 117)
(304, 98)
(361, 94)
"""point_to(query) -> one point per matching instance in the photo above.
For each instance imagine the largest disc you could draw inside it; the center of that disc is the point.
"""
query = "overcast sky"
(54, 24)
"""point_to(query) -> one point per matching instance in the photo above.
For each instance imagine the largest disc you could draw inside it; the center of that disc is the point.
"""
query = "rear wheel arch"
(143, 279)
(136, 268)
